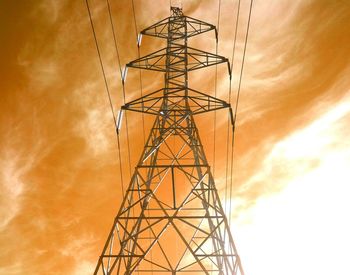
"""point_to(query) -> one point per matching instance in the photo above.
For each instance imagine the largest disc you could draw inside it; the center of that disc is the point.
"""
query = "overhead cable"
(229, 100)
(237, 101)
(123, 76)
(216, 82)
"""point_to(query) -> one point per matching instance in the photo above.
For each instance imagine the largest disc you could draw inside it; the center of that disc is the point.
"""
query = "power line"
(123, 84)
(237, 101)
(235, 36)
(229, 100)
(215, 93)
(107, 90)
(114, 36)
(216, 81)
(101, 63)
(120, 70)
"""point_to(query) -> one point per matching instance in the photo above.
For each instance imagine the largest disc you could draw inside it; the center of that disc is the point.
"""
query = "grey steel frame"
(172, 195)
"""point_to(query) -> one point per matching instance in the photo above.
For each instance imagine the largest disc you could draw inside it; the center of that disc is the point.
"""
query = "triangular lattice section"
(171, 220)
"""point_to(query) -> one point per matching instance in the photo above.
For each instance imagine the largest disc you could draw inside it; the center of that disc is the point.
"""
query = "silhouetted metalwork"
(171, 220)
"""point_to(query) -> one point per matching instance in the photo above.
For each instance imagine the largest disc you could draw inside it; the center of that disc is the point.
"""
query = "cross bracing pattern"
(171, 220)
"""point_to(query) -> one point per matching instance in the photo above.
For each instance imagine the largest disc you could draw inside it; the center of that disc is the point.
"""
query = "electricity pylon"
(171, 220)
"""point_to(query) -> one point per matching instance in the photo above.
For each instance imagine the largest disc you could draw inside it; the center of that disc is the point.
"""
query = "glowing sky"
(59, 177)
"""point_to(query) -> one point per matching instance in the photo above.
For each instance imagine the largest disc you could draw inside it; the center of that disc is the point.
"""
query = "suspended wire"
(101, 63)
(242, 66)
(235, 38)
(237, 101)
(228, 115)
(120, 71)
(216, 82)
(108, 93)
(114, 36)
(140, 71)
(215, 90)
(123, 90)
(123, 85)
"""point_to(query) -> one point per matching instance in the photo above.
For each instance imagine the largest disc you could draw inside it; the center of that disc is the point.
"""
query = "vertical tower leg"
(171, 220)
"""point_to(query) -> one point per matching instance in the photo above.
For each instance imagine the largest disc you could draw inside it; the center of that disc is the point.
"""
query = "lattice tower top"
(176, 12)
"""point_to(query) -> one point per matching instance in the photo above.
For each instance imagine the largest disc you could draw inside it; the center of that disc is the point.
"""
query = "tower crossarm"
(171, 220)
(198, 102)
(196, 59)
(194, 27)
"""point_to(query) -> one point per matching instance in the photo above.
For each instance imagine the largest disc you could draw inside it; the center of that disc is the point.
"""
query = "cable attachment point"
(232, 118)
(229, 69)
(139, 39)
(119, 120)
(124, 74)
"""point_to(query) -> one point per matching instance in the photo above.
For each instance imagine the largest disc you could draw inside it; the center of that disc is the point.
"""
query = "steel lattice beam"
(171, 220)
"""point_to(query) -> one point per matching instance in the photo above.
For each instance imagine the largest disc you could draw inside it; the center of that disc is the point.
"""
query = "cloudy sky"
(59, 172)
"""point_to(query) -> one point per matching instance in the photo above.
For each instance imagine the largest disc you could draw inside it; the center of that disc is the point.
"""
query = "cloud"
(303, 223)
(50, 8)
(96, 126)
(307, 165)
(23, 146)
(11, 188)
(84, 91)
(80, 248)
(294, 207)
(300, 153)
(84, 267)
(293, 58)
(15, 163)
(13, 269)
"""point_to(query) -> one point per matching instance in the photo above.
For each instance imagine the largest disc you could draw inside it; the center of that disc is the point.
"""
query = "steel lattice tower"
(171, 220)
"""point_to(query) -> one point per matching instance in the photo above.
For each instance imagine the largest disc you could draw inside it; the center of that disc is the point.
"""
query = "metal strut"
(171, 220)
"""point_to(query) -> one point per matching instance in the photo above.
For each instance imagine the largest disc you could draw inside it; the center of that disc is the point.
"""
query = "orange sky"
(60, 187)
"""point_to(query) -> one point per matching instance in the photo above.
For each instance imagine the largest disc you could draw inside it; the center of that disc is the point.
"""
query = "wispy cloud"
(13, 269)
(307, 218)
(97, 126)
(46, 193)
(300, 153)
(84, 267)
(15, 162)
(80, 248)
(11, 188)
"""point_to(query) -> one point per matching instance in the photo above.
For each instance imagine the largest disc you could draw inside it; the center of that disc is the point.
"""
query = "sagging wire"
(123, 83)
(230, 119)
(216, 82)
(108, 92)
(236, 106)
